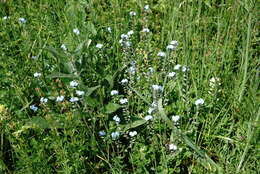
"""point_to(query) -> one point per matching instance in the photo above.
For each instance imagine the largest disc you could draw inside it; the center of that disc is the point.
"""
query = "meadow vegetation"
(129, 86)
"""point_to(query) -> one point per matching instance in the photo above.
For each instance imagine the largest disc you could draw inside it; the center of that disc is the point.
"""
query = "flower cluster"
(125, 39)
(172, 46)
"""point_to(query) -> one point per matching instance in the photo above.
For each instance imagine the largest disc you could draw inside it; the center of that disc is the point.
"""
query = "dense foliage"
(116, 86)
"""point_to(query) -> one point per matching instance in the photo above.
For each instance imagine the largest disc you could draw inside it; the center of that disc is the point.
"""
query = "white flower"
(174, 43)
(129, 33)
(161, 54)
(177, 67)
(34, 57)
(157, 87)
(146, 30)
(172, 147)
(74, 99)
(102, 133)
(80, 93)
(73, 84)
(99, 45)
(132, 13)
(124, 81)
(124, 39)
(60, 98)
(132, 133)
(151, 69)
(76, 31)
(109, 29)
(22, 20)
(37, 74)
(175, 118)
(6, 17)
(146, 7)
(184, 69)
(123, 101)
(64, 47)
(171, 74)
(154, 104)
(148, 117)
(213, 82)
(114, 92)
(131, 70)
(34, 108)
(43, 100)
(150, 110)
(199, 102)
(125, 43)
(116, 119)
(171, 47)
(128, 43)
(124, 36)
(114, 135)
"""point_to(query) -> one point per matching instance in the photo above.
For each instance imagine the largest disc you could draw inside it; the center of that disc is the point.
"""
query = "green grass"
(216, 40)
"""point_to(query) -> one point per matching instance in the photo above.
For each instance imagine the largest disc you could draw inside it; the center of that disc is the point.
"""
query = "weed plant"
(97, 86)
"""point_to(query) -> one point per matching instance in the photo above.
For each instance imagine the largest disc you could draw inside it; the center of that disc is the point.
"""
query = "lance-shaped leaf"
(61, 75)
(56, 53)
(90, 90)
(111, 107)
(136, 123)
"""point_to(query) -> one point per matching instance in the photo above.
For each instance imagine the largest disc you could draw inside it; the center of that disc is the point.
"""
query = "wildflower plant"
(111, 87)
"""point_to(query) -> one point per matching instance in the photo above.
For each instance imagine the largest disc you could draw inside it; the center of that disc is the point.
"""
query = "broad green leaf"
(38, 122)
(81, 46)
(134, 124)
(110, 80)
(111, 107)
(91, 101)
(56, 53)
(68, 67)
(89, 91)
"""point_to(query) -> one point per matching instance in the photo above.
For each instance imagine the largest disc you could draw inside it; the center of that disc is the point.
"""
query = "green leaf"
(57, 54)
(134, 124)
(81, 46)
(2, 165)
(111, 107)
(38, 122)
(92, 28)
(110, 80)
(140, 95)
(91, 101)
(75, 12)
(68, 67)
(89, 91)
(61, 75)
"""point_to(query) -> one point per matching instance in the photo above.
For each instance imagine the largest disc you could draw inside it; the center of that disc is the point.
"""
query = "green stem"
(243, 85)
